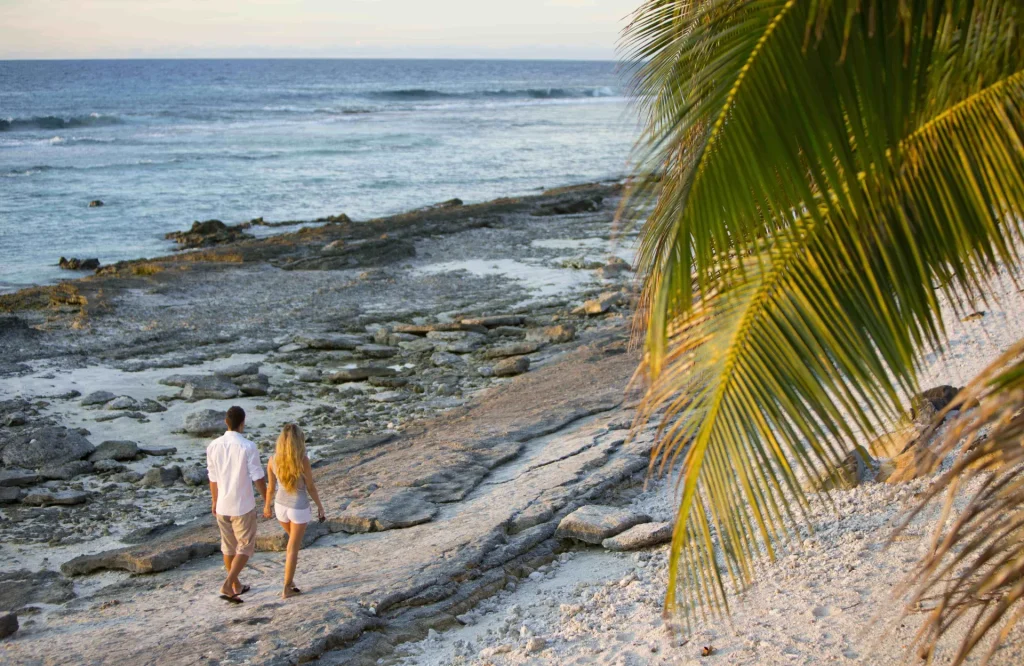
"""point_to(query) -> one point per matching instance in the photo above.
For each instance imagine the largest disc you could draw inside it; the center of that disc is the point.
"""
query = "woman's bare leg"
(298, 530)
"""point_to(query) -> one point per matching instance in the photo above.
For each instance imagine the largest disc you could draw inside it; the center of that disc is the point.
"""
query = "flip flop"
(296, 590)
(231, 599)
(245, 588)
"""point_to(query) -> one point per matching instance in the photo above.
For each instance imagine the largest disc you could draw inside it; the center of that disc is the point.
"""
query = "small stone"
(553, 334)
(594, 523)
(602, 303)
(509, 367)
(158, 451)
(151, 406)
(466, 619)
(535, 644)
(485, 371)
(389, 396)
(446, 360)
(97, 398)
(204, 422)
(108, 466)
(66, 471)
(644, 535)
(377, 351)
(195, 475)
(122, 402)
(309, 376)
(161, 477)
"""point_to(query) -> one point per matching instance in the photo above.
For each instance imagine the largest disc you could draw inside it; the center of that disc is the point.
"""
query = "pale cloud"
(316, 28)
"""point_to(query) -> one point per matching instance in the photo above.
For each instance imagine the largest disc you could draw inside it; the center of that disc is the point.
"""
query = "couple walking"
(233, 465)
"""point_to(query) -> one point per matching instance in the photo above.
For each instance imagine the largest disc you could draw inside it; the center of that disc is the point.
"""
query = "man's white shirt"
(233, 463)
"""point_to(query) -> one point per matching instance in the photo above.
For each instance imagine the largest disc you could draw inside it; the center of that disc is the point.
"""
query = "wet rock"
(65, 471)
(514, 349)
(510, 367)
(23, 587)
(44, 497)
(115, 450)
(205, 422)
(446, 360)
(602, 303)
(161, 477)
(377, 351)
(207, 234)
(95, 203)
(581, 263)
(17, 478)
(170, 450)
(97, 398)
(495, 321)
(586, 205)
(108, 466)
(8, 625)
(76, 264)
(359, 373)
(553, 334)
(385, 509)
(595, 523)
(122, 402)
(640, 536)
(49, 445)
(238, 370)
(209, 388)
(330, 342)
(9, 494)
(194, 475)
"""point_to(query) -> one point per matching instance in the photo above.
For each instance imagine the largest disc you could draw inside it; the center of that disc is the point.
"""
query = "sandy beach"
(462, 374)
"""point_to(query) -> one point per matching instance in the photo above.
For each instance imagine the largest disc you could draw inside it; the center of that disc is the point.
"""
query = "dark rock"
(423, 329)
(17, 478)
(587, 205)
(239, 370)
(495, 321)
(194, 475)
(65, 471)
(388, 382)
(97, 398)
(377, 351)
(16, 419)
(858, 466)
(330, 342)
(389, 396)
(161, 477)
(514, 349)
(115, 450)
(43, 497)
(170, 450)
(9, 494)
(209, 388)
(613, 269)
(594, 523)
(253, 385)
(937, 397)
(359, 373)
(386, 509)
(8, 624)
(207, 234)
(205, 422)
(108, 466)
(49, 445)
(95, 203)
(22, 587)
(446, 360)
(645, 535)
(357, 254)
(151, 406)
(75, 264)
(509, 367)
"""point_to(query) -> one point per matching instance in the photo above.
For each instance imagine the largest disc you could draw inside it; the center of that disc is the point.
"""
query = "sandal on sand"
(245, 588)
(231, 598)
(296, 590)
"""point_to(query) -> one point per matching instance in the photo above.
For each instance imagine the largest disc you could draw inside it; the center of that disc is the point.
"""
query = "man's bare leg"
(231, 586)
(228, 559)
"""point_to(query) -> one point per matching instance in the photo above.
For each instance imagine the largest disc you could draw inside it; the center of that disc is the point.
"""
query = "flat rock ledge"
(595, 523)
(645, 535)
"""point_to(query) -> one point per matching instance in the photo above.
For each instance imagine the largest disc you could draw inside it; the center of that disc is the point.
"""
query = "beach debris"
(974, 316)
(707, 650)
(640, 536)
(509, 367)
(76, 264)
(593, 523)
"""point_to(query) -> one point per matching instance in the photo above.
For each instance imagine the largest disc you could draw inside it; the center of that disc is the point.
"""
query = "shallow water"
(163, 143)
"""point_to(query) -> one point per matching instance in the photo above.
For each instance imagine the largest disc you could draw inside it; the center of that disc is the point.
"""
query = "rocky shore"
(461, 374)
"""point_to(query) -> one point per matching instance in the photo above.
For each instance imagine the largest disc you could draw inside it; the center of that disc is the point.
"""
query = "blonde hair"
(288, 457)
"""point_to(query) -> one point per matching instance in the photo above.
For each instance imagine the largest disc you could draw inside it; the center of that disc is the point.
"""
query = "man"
(233, 464)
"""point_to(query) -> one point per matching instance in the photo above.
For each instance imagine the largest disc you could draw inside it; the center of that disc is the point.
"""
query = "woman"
(289, 474)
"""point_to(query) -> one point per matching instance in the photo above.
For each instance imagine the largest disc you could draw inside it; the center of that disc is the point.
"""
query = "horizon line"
(172, 58)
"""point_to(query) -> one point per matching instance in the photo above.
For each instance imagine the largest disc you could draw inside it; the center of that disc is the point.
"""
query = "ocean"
(165, 142)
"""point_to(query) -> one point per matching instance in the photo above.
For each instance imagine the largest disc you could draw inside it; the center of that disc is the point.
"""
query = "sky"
(72, 29)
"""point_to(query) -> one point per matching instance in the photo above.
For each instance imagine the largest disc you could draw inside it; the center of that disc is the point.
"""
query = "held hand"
(213, 510)
(266, 511)
(320, 515)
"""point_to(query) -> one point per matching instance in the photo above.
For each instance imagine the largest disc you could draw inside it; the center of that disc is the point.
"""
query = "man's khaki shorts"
(237, 534)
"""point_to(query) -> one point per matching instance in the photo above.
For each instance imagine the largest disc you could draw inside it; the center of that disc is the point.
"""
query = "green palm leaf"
(819, 171)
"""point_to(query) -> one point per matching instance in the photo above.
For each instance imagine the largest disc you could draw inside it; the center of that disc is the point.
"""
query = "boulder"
(44, 497)
(386, 509)
(253, 385)
(95, 203)
(495, 320)
(8, 624)
(595, 523)
(330, 341)
(205, 422)
(65, 471)
(9, 494)
(360, 372)
(49, 445)
(238, 370)
(207, 234)
(97, 398)
(602, 303)
(115, 449)
(446, 360)
(195, 475)
(553, 334)
(160, 477)
(640, 536)
(510, 367)
(16, 419)
(17, 478)
(514, 349)
(122, 402)
(209, 388)
(76, 264)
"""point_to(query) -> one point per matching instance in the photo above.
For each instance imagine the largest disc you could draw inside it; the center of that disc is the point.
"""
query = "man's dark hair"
(235, 418)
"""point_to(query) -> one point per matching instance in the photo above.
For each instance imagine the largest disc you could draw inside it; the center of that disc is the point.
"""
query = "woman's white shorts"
(288, 515)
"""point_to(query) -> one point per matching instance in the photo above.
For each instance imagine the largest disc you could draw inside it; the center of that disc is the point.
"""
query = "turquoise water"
(166, 142)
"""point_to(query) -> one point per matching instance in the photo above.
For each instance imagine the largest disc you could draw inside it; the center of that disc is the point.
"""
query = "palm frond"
(819, 170)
